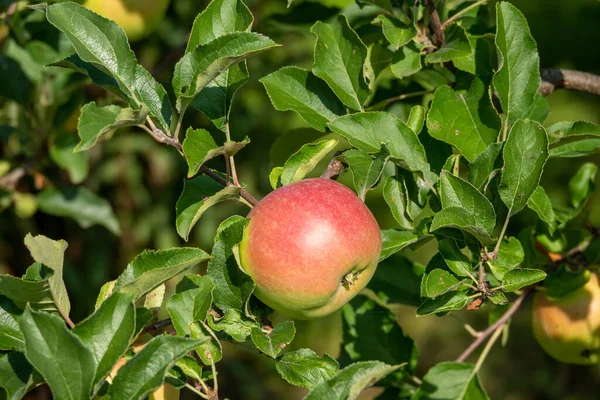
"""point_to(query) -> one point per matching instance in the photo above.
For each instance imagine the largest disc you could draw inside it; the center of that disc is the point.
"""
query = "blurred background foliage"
(142, 179)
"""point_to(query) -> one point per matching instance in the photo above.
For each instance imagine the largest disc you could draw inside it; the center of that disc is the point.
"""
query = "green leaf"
(581, 185)
(305, 160)
(15, 83)
(466, 121)
(366, 170)
(234, 324)
(397, 280)
(519, 278)
(219, 18)
(62, 152)
(233, 286)
(562, 282)
(51, 254)
(456, 45)
(481, 168)
(351, 381)
(497, 298)
(210, 350)
(574, 139)
(416, 119)
(199, 67)
(454, 258)
(340, 56)
(482, 60)
(371, 333)
(11, 337)
(438, 282)
(108, 332)
(517, 78)
(103, 43)
(406, 61)
(21, 292)
(368, 131)
(393, 241)
(190, 367)
(17, 376)
(525, 154)
(147, 369)
(541, 204)
(199, 147)
(510, 256)
(451, 380)
(199, 194)
(451, 301)
(275, 176)
(396, 197)
(80, 204)
(459, 218)
(61, 357)
(191, 302)
(292, 88)
(273, 342)
(397, 32)
(152, 268)
(95, 122)
(304, 368)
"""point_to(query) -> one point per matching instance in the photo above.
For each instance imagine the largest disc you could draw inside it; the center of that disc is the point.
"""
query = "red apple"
(310, 247)
(569, 328)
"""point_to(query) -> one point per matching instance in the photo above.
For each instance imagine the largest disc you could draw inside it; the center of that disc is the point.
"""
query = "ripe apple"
(310, 247)
(138, 18)
(569, 328)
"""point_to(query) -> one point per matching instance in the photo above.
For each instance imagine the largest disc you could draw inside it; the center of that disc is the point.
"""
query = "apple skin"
(569, 328)
(305, 242)
(138, 18)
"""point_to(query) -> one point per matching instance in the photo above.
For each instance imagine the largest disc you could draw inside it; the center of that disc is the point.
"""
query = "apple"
(569, 328)
(310, 247)
(138, 18)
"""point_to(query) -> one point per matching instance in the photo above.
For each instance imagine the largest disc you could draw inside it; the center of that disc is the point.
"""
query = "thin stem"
(242, 200)
(456, 167)
(227, 168)
(383, 104)
(214, 372)
(500, 322)
(243, 193)
(505, 130)
(461, 13)
(416, 380)
(151, 123)
(178, 126)
(502, 232)
(231, 160)
(193, 389)
(435, 24)
(487, 349)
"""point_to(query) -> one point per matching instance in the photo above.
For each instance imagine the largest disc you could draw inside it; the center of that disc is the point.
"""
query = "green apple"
(310, 247)
(138, 18)
(569, 328)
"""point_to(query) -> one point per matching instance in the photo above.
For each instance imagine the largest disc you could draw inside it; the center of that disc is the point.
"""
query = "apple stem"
(334, 169)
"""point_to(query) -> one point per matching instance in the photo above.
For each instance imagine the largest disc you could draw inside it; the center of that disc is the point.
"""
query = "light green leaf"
(103, 43)
(397, 32)
(451, 301)
(541, 204)
(369, 130)
(210, 350)
(11, 337)
(51, 253)
(454, 258)
(275, 176)
(466, 121)
(451, 380)
(481, 168)
(292, 88)
(36, 293)
(61, 357)
(351, 381)
(62, 151)
(108, 332)
(519, 278)
(304, 368)
(147, 369)
(191, 302)
(366, 170)
(199, 67)
(305, 160)
(393, 241)
(273, 342)
(234, 324)
(80, 204)
(406, 61)
(396, 197)
(152, 268)
(510, 256)
(95, 122)
(517, 78)
(525, 154)
(456, 45)
(17, 376)
(482, 60)
(199, 194)
(574, 139)
(416, 119)
(438, 282)
(199, 147)
(339, 60)
(581, 185)
(459, 218)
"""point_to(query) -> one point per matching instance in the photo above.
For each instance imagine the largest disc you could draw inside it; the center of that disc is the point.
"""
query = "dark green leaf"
(451, 380)
(393, 241)
(519, 278)
(305, 368)
(396, 197)
(451, 301)
(484, 164)
(581, 185)
(454, 258)
(438, 282)
(234, 324)
(456, 45)
(541, 204)
(406, 61)
(21, 292)
(416, 119)
(564, 281)
(10, 334)
(482, 60)
(190, 303)
(510, 256)
(366, 171)
(397, 32)
(62, 152)
(574, 139)
(397, 280)
(210, 350)
(274, 341)
(17, 376)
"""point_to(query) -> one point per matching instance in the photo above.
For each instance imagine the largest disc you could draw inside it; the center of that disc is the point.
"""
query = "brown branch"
(555, 78)
(334, 169)
(157, 325)
(501, 321)
(243, 193)
(435, 24)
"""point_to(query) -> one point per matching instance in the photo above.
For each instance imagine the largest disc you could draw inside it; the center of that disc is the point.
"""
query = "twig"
(435, 24)
(383, 104)
(334, 169)
(555, 78)
(157, 325)
(198, 392)
(461, 13)
(10, 180)
(500, 322)
(243, 193)
(486, 350)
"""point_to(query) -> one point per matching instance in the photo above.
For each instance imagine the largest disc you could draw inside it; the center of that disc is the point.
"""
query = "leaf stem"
(461, 13)
(214, 372)
(193, 389)
(502, 232)
(384, 103)
(231, 160)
